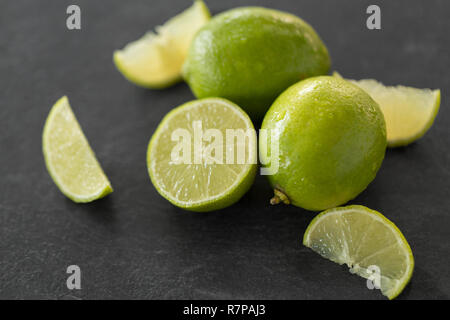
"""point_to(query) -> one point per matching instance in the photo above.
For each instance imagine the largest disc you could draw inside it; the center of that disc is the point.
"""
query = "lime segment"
(208, 179)
(155, 60)
(69, 158)
(366, 241)
(409, 112)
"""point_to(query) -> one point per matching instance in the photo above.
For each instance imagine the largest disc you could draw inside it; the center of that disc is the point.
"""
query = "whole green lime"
(250, 55)
(327, 142)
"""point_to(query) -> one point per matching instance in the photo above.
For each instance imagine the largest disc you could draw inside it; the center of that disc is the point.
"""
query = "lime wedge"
(156, 59)
(193, 157)
(69, 158)
(409, 112)
(366, 241)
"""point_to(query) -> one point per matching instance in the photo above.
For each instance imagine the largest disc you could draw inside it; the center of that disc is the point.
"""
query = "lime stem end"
(278, 197)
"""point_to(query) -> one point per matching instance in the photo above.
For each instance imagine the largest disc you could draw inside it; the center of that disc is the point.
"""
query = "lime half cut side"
(193, 157)
(69, 158)
(156, 59)
(367, 242)
(409, 112)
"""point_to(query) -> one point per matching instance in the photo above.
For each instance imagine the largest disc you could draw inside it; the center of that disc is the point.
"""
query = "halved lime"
(202, 156)
(69, 158)
(409, 112)
(366, 241)
(155, 60)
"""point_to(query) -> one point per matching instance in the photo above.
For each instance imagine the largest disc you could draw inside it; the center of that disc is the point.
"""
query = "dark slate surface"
(134, 244)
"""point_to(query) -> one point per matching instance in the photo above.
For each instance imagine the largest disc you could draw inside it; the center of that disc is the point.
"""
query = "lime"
(69, 158)
(409, 112)
(202, 156)
(155, 60)
(330, 140)
(250, 55)
(367, 242)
